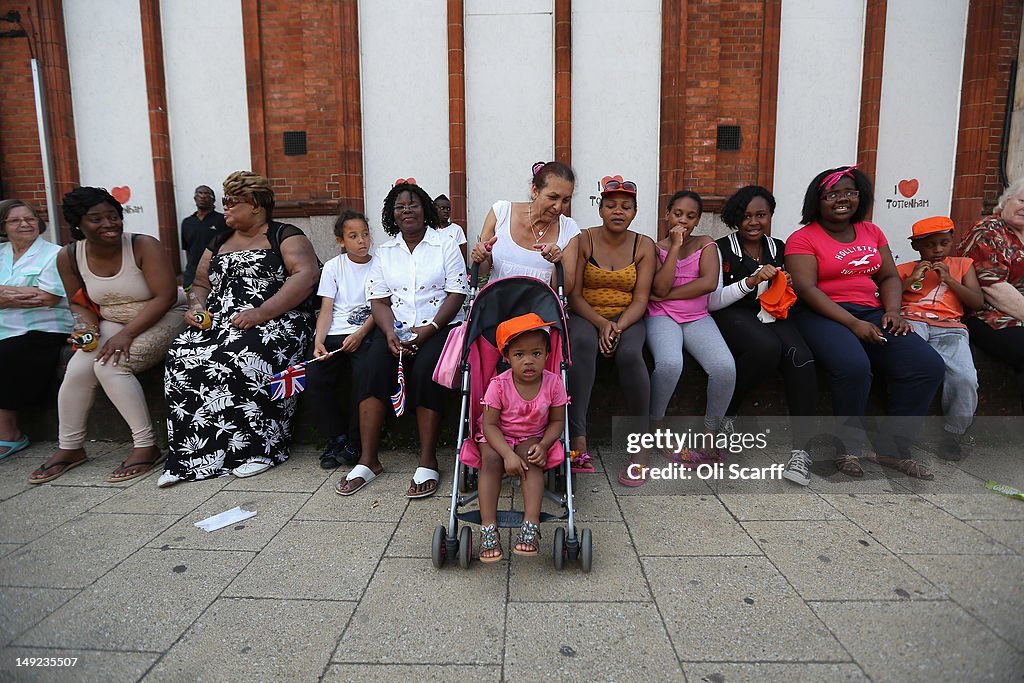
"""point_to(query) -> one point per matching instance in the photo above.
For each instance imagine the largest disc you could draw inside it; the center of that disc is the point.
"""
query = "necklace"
(536, 235)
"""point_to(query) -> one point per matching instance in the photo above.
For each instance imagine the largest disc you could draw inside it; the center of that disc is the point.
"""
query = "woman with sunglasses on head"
(761, 340)
(528, 238)
(248, 319)
(849, 313)
(127, 309)
(34, 318)
(614, 269)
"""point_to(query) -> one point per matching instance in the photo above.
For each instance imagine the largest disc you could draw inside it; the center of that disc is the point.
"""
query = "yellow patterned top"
(609, 292)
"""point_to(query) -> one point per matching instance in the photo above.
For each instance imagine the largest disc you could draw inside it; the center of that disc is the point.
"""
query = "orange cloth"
(935, 303)
(779, 296)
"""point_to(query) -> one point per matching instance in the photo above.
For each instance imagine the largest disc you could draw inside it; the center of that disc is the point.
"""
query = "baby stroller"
(479, 358)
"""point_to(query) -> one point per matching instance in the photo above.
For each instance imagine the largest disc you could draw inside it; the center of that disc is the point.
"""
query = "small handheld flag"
(292, 380)
(398, 399)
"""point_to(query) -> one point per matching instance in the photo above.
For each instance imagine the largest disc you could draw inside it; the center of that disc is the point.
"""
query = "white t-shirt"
(511, 259)
(455, 232)
(344, 280)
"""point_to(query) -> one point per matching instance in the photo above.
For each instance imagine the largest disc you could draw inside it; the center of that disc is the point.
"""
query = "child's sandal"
(580, 462)
(529, 534)
(489, 541)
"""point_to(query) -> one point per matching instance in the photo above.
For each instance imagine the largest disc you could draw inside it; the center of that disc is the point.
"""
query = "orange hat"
(930, 226)
(512, 328)
(779, 296)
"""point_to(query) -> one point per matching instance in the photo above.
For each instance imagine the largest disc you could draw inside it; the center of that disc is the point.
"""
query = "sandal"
(691, 458)
(489, 541)
(907, 466)
(529, 534)
(581, 462)
(849, 465)
(64, 466)
(146, 465)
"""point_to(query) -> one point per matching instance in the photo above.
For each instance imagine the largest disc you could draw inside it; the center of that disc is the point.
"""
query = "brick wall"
(21, 169)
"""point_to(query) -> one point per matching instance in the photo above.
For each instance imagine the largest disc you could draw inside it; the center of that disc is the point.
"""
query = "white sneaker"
(798, 468)
(251, 469)
(167, 479)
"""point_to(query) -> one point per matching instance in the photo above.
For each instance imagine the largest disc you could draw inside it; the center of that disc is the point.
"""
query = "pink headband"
(832, 178)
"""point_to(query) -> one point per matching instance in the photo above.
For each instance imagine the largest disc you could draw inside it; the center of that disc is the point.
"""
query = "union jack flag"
(288, 382)
(398, 399)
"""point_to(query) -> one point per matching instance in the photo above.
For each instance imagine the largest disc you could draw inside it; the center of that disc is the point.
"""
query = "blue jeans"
(912, 370)
(960, 386)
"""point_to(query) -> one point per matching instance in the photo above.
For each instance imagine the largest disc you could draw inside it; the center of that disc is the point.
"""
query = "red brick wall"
(21, 169)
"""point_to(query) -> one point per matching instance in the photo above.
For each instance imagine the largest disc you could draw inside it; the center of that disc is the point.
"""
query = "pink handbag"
(446, 372)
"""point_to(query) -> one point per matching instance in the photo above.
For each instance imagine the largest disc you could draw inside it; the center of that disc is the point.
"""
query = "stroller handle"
(474, 277)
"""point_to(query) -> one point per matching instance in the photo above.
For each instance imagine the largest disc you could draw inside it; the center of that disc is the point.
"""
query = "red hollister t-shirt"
(844, 270)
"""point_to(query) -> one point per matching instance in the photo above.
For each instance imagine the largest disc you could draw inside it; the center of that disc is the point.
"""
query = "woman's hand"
(117, 349)
(16, 297)
(482, 250)
(550, 252)
(765, 273)
(868, 333)
(394, 345)
(676, 235)
(191, 320)
(351, 342)
(608, 338)
(896, 324)
(319, 349)
(248, 319)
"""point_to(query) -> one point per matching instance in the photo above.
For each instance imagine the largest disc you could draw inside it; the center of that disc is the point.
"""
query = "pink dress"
(520, 419)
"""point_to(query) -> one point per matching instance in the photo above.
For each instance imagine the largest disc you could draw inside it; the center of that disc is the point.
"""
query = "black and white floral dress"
(220, 414)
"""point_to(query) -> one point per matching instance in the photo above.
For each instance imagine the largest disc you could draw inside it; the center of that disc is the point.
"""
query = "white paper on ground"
(223, 519)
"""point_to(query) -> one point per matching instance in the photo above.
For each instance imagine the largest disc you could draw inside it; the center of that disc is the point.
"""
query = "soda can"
(204, 319)
(86, 340)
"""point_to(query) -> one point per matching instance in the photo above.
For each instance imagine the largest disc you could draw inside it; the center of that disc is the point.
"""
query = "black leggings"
(28, 367)
(334, 414)
(1006, 344)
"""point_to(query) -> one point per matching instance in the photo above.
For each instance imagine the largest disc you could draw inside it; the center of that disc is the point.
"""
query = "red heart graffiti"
(123, 194)
(908, 188)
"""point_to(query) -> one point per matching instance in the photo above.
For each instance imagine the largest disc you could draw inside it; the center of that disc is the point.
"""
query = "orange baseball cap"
(513, 327)
(930, 226)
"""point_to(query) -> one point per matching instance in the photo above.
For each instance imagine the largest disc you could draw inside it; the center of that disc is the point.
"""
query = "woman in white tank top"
(528, 238)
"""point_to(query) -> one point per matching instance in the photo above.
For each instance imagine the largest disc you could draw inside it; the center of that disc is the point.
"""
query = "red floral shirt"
(998, 256)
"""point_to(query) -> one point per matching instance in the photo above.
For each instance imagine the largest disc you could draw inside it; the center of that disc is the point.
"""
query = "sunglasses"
(624, 185)
(229, 201)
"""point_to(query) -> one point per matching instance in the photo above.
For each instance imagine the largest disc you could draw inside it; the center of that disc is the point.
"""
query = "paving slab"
(79, 552)
(315, 560)
(806, 505)
(588, 642)
(979, 504)
(31, 514)
(273, 510)
(91, 665)
(1009, 534)
(989, 587)
(594, 499)
(144, 604)
(684, 525)
(910, 524)
(8, 548)
(838, 561)
(615, 461)
(229, 642)
(295, 475)
(146, 499)
(412, 613)
(921, 641)
(771, 672)
(415, 530)
(382, 500)
(410, 673)
(615, 575)
(736, 609)
(1002, 465)
(23, 608)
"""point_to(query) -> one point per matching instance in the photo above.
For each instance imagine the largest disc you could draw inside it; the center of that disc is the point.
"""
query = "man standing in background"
(198, 229)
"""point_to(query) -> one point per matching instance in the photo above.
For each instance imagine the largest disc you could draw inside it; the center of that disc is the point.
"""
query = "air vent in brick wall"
(729, 138)
(294, 143)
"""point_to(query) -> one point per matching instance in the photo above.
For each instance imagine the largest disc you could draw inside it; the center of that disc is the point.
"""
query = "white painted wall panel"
(509, 100)
(920, 110)
(820, 70)
(208, 114)
(108, 93)
(404, 81)
(616, 104)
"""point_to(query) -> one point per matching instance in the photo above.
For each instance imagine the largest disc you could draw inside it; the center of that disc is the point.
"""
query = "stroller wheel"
(437, 551)
(465, 547)
(559, 549)
(586, 550)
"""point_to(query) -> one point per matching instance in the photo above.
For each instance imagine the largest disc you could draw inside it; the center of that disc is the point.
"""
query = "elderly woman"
(416, 287)
(34, 317)
(527, 238)
(849, 314)
(615, 268)
(761, 343)
(245, 324)
(996, 244)
(123, 291)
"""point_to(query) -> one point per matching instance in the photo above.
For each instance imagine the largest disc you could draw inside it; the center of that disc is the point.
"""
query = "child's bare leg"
(492, 470)
(532, 488)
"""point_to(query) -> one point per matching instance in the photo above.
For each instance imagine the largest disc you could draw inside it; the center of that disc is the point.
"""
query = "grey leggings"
(666, 339)
(634, 382)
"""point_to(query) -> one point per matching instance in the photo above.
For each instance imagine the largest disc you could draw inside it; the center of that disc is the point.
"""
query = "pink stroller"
(496, 302)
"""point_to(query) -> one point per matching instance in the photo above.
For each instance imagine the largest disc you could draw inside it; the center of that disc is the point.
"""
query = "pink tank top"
(683, 310)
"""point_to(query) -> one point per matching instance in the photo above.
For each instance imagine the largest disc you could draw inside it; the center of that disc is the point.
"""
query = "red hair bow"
(403, 181)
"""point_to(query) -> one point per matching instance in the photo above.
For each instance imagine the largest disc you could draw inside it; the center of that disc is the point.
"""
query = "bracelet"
(435, 325)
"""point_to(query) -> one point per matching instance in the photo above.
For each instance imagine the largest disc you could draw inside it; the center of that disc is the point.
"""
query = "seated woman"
(995, 244)
(34, 317)
(246, 322)
(614, 269)
(453, 231)
(678, 319)
(526, 238)
(761, 343)
(416, 284)
(136, 311)
(849, 314)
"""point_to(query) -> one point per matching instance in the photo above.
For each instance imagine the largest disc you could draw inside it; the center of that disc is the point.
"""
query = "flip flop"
(627, 480)
(67, 465)
(421, 476)
(146, 468)
(358, 472)
(13, 446)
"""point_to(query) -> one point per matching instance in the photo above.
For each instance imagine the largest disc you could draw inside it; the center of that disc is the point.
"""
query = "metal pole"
(44, 150)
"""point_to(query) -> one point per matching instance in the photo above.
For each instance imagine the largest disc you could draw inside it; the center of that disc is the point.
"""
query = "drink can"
(86, 340)
(204, 319)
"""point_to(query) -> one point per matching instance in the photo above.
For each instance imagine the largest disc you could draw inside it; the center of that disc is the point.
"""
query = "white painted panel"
(616, 103)
(208, 115)
(404, 81)
(920, 110)
(108, 93)
(820, 70)
(509, 100)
